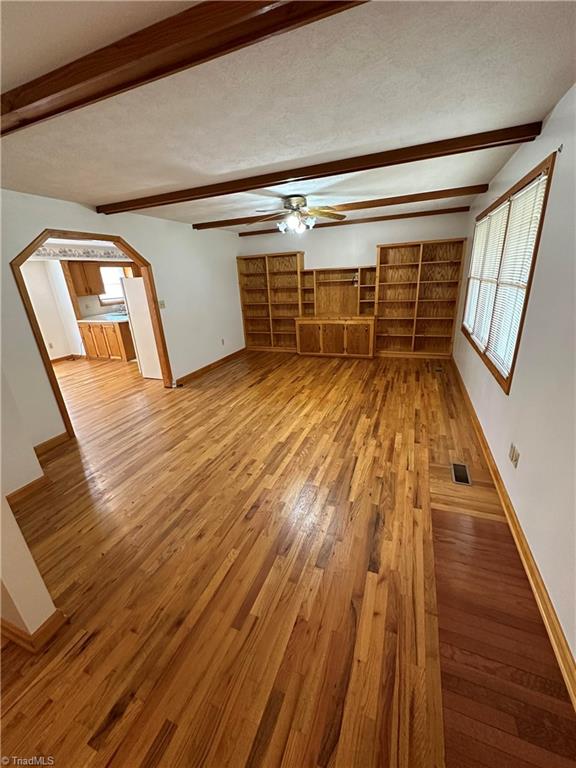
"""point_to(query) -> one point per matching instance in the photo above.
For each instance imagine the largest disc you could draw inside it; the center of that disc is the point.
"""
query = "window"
(113, 293)
(503, 256)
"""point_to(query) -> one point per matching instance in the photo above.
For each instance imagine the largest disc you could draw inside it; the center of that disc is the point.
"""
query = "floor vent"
(460, 474)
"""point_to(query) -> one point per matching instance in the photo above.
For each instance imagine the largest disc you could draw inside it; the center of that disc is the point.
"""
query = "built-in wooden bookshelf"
(416, 297)
(411, 291)
(338, 291)
(270, 295)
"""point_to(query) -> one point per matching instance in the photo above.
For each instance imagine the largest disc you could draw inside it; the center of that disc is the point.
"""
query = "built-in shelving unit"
(416, 296)
(411, 291)
(270, 295)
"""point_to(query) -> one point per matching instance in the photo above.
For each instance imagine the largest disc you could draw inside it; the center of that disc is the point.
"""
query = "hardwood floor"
(271, 567)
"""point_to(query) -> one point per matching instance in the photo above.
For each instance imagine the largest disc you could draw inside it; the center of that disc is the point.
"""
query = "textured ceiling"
(380, 76)
(40, 36)
(442, 173)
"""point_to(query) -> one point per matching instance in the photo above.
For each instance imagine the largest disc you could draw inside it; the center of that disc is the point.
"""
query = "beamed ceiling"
(368, 79)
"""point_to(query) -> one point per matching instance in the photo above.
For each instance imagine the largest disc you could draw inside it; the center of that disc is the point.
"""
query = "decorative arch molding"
(146, 272)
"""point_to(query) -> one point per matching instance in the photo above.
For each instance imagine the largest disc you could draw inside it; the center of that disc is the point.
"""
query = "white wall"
(65, 307)
(58, 339)
(29, 603)
(25, 599)
(19, 463)
(195, 274)
(539, 415)
(355, 245)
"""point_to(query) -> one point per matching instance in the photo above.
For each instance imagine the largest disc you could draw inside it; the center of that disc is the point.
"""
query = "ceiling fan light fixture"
(297, 221)
(292, 221)
(310, 221)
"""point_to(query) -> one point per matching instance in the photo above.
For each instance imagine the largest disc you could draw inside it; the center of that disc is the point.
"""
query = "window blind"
(489, 275)
(525, 213)
(502, 254)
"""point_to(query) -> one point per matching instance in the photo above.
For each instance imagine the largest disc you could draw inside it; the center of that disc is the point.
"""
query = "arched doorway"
(152, 299)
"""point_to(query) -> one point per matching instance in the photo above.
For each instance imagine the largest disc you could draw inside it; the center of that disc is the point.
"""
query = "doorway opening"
(105, 298)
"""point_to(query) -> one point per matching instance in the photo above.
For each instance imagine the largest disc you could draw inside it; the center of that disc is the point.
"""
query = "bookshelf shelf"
(404, 304)
(434, 267)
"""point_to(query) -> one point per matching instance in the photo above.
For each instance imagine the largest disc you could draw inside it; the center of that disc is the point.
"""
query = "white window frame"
(106, 300)
(478, 333)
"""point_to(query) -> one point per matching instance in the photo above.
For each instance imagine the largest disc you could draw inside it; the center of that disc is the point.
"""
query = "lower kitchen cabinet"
(88, 340)
(339, 337)
(112, 341)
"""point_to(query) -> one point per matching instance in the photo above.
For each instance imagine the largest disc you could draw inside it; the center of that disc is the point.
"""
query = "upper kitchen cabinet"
(86, 278)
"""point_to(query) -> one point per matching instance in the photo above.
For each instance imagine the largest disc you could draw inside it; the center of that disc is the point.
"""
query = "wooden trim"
(39, 639)
(55, 360)
(48, 445)
(418, 283)
(145, 269)
(547, 166)
(454, 146)
(22, 493)
(382, 202)
(564, 655)
(367, 220)
(146, 272)
(216, 364)
(37, 333)
(206, 31)
(71, 289)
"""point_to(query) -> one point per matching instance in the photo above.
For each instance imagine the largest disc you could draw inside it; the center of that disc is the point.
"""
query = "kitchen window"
(113, 293)
(504, 251)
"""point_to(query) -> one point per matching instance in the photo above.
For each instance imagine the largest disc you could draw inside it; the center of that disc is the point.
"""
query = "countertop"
(108, 317)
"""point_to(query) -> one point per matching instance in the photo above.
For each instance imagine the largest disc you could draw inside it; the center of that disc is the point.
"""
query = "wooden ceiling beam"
(205, 31)
(470, 143)
(368, 220)
(417, 197)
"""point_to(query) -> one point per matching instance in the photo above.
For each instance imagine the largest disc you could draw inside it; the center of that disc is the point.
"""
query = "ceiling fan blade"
(326, 213)
(267, 210)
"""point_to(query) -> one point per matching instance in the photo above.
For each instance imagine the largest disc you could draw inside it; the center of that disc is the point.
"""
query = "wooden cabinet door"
(93, 277)
(308, 338)
(333, 338)
(110, 332)
(88, 340)
(358, 339)
(78, 278)
(100, 341)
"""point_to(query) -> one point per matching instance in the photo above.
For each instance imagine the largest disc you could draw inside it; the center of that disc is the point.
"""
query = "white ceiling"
(379, 76)
(40, 36)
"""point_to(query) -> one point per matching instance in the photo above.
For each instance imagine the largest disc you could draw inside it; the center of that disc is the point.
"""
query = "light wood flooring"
(271, 567)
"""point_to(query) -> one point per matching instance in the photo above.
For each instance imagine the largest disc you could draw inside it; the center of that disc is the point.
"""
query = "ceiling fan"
(296, 216)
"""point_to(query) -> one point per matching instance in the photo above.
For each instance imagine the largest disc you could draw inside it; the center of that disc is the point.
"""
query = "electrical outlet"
(514, 455)
(161, 303)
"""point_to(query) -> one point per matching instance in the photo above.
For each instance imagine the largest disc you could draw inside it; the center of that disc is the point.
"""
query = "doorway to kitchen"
(91, 298)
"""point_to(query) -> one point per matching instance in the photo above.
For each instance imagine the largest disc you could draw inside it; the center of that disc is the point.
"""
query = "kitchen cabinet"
(338, 337)
(86, 278)
(100, 341)
(113, 341)
(88, 340)
(107, 340)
